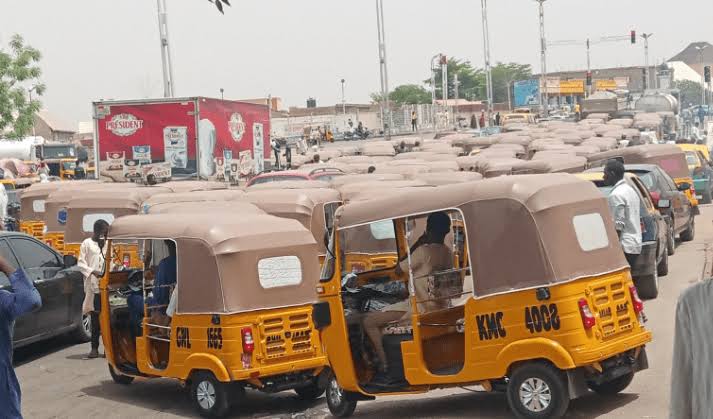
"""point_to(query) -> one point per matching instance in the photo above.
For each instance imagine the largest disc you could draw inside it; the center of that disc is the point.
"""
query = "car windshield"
(58, 151)
(692, 158)
(268, 179)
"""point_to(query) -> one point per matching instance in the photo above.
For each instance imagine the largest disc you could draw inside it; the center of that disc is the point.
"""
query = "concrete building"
(696, 55)
(51, 128)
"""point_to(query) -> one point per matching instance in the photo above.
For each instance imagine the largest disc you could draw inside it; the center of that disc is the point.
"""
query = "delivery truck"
(190, 133)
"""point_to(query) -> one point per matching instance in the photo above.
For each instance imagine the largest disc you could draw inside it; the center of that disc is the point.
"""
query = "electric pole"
(647, 76)
(383, 71)
(169, 86)
(543, 59)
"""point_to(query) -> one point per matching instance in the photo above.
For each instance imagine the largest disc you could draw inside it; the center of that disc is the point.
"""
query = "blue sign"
(62, 216)
(526, 92)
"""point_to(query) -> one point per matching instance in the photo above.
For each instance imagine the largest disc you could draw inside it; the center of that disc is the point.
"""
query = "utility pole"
(221, 93)
(486, 53)
(703, 80)
(433, 78)
(383, 70)
(444, 81)
(588, 87)
(543, 59)
(456, 112)
(344, 103)
(169, 86)
(647, 76)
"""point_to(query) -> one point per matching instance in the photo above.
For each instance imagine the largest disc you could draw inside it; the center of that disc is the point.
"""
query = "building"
(51, 128)
(696, 55)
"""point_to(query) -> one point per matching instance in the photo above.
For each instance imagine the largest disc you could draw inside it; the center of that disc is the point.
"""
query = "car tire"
(671, 241)
(538, 390)
(337, 401)
(690, 232)
(648, 286)
(310, 392)
(118, 378)
(662, 267)
(612, 387)
(82, 333)
(209, 396)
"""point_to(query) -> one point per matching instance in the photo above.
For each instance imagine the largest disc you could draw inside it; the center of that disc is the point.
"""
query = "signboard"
(227, 158)
(142, 153)
(605, 85)
(175, 146)
(526, 92)
(258, 147)
(571, 87)
(161, 171)
(115, 160)
(220, 168)
(245, 162)
(132, 169)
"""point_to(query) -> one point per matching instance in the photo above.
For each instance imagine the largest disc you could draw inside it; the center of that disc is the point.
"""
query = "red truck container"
(187, 132)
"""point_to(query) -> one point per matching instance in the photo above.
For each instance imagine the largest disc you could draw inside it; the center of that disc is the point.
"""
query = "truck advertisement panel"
(185, 133)
(526, 92)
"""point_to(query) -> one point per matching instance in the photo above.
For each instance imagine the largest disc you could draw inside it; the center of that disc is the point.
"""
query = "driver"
(428, 255)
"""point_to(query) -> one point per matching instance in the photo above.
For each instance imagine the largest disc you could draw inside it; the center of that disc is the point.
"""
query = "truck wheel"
(648, 286)
(662, 267)
(337, 402)
(538, 390)
(122, 379)
(310, 392)
(83, 331)
(209, 395)
(690, 233)
(612, 387)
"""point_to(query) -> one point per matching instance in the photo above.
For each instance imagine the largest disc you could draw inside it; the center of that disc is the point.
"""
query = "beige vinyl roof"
(193, 185)
(197, 196)
(219, 256)
(235, 208)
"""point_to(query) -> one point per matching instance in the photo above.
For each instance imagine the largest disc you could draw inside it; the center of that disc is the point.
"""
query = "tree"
(19, 77)
(471, 81)
(503, 74)
(410, 94)
(219, 4)
(691, 92)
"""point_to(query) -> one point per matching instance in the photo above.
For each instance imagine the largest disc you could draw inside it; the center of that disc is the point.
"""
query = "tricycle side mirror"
(663, 203)
(684, 186)
(69, 261)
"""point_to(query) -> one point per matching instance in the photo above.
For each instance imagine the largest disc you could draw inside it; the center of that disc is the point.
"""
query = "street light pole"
(344, 103)
(647, 76)
(588, 87)
(221, 94)
(486, 53)
(168, 84)
(543, 59)
(383, 70)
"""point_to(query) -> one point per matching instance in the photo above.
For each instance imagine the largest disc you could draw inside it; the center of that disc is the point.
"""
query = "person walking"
(473, 121)
(702, 115)
(497, 119)
(624, 205)
(21, 298)
(414, 121)
(482, 119)
(91, 265)
(276, 149)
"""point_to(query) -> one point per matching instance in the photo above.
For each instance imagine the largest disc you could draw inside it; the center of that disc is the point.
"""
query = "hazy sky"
(295, 49)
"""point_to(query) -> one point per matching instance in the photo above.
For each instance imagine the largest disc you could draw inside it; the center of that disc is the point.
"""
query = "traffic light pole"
(544, 102)
(647, 76)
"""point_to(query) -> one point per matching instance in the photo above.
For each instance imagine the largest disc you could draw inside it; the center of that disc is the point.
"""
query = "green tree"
(503, 74)
(19, 76)
(691, 92)
(471, 81)
(410, 94)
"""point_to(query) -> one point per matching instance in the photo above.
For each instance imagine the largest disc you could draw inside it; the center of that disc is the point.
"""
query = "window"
(89, 219)
(382, 230)
(692, 159)
(329, 209)
(280, 271)
(38, 205)
(667, 181)
(591, 231)
(368, 247)
(10, 258)
(34, 255)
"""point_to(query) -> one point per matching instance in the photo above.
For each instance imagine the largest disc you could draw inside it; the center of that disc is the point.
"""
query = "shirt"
(425, 260)
(23, 299)
(91, 259)
(624, 205)
(166, 275)
(692, 366)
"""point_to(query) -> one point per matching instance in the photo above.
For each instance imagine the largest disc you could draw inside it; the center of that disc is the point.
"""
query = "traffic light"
(633, 36)
(707, 73)
(589, 78)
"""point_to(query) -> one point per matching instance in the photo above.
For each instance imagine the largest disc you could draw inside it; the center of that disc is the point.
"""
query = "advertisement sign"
(245, 162)
(258, 147)
(220, 168)
(175, 146)
(605, 85)
(161, 171)
(142, 153)
(227, 158)
(115, 160)
(526, 92)
(571, 87)
(234, 169)
(132, 169)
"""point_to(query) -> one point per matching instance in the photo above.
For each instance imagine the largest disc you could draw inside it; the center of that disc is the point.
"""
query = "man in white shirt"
(624, 205)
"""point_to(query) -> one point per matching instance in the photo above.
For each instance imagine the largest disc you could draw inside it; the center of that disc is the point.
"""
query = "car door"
(46, 269)
(680, 205)
(25, 326)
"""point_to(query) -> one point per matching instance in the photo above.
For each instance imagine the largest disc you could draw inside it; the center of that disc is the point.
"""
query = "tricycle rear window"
(89, 220)
(591, 231)
(280, 271)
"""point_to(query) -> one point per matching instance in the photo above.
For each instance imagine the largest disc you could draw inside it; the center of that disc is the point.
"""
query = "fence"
(429, 118)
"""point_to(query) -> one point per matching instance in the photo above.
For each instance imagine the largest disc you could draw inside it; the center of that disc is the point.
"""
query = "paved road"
(58, 383)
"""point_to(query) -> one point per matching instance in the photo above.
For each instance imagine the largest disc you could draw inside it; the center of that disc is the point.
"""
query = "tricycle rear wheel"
(538, 390)
(337, 402)
(311, 391)
(210, 396)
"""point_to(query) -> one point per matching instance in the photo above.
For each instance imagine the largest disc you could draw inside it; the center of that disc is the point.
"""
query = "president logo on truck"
(124, 124)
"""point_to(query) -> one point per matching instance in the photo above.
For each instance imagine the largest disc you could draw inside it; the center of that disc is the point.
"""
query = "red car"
(306, 173)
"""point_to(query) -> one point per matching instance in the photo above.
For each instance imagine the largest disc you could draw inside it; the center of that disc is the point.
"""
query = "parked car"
(653, 260)
(303, 173)
(697, 157)
(61, 288)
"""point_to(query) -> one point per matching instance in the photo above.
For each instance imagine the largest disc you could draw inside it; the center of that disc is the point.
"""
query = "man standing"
(497, 119)
(482, 119)
(414, 121)
(702, 115)
(624, 205)
(91, 264)
(23, 298)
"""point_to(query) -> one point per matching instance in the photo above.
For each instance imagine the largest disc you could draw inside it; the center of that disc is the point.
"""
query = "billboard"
(526, 92)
